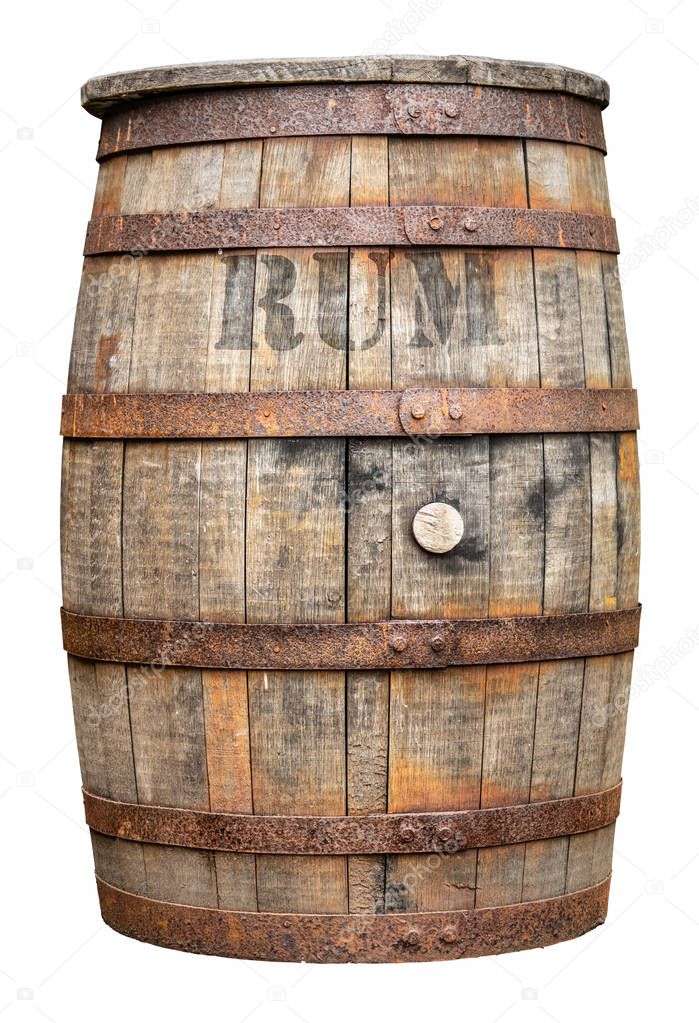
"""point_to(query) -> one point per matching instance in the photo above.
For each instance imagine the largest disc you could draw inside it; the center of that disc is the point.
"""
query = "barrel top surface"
(101, 95)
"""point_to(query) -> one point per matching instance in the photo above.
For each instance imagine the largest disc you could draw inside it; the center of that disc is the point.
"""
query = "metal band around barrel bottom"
(341, 938)
(363, 834)
(351, 413)
(350, 645)
(381, 226)
(274, 111)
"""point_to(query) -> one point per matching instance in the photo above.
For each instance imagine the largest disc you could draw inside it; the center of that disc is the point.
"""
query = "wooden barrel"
(350, 508)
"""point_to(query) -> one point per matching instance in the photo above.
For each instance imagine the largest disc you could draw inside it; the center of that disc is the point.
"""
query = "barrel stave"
(369, 474)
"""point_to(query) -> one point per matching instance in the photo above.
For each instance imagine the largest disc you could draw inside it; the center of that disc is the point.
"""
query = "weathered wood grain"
(603, 709)
(516, 568)
(508, 733)
(601, 360)
(465, 171)
(436, 730)
(367, 772)
(440, 332)
(618, 346)
(567, 513)
(229, 775)
(103, 734)
(109, 188)
(297, 719)
(627, 475)
(628, 520)
(183, 178)
(137, 180)
(553, 769)
(516, 586)
(368, 518)
(92, 578)
(602, 729)
(91, 526)
(222, 598)
(588, 181)
(607, 679)
(161, 494)
(604, 540)
(222, 528)
(295, 532)
(101, 349)
(444, 329)
(171, 319)
(91, 538)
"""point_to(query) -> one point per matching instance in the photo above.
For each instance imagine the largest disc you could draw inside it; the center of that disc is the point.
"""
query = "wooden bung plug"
(438, 527)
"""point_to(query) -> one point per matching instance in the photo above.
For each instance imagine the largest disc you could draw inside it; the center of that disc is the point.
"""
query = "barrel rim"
(102, 94)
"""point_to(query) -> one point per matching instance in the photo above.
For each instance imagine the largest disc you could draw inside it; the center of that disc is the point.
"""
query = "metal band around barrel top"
(384, 226)
(341, 938)
(352, 413)
(365, 834)
(275, 111)
(350, 645)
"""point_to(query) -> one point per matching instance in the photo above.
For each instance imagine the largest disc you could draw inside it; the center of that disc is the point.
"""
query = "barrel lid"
(100, 95)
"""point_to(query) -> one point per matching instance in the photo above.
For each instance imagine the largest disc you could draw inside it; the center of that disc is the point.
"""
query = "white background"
(57, 960)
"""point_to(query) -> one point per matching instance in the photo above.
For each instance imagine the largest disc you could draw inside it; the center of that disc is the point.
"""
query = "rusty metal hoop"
(316, 227)
(343, 938)
(352, 413)
(362, 834)
(350, 645)
(361, 108)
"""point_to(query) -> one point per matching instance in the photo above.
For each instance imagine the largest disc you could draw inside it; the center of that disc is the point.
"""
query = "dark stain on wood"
(480, 299)
(332, 298)
(237, 308)
(107, 347)
(437, 298)
(279, 322)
